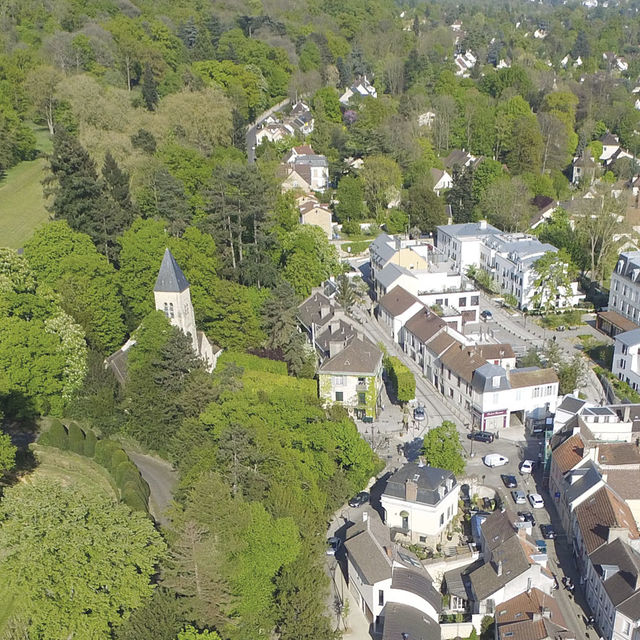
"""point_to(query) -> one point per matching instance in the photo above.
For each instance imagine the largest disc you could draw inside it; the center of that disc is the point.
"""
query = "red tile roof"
(569, 453)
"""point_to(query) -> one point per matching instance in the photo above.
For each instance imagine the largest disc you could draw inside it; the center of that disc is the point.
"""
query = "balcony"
(362, 385)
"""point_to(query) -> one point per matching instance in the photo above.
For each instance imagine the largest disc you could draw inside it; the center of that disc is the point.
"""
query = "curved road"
(162, 479)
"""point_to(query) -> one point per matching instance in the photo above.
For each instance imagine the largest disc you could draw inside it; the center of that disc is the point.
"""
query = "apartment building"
(624, 295)
(626, 358)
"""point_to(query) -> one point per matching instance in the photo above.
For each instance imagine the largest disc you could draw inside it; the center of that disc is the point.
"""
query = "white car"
(536, 500)
(495, 460)
(526, 466)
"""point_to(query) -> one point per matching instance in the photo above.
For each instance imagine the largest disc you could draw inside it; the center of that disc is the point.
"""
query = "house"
(419, 503)
(626, 359)
(390, 585)
(317, 214)
(304, 169)
(352, 376)
(464, 63)
(426, 119)
(324, 322)
(395, 308)
(624, 295)
(274, 132)
(301, 118)
(545, 206)
(584, 168)
(511, 565)
(610, 145)
(362, 88)
(509, 258)
(461, 158)
(612, 589)
(172, 296)
(441, 180)
(532, 615)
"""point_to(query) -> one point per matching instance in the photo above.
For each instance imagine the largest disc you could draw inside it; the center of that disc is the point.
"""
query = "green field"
(21, 199)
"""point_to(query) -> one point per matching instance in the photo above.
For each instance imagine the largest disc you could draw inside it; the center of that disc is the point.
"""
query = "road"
(162, 480)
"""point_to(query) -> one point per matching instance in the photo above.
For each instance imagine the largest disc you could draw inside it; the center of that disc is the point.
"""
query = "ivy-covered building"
(352, 376)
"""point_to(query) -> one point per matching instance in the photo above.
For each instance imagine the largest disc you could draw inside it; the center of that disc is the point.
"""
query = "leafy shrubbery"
(403, 381)
(253, 363)
(134, 490)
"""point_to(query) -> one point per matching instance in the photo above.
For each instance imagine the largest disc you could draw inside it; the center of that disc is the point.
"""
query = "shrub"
(119, 456)
(132, 497)
(104, 451)
(57, 436)
(90, 441)
(76, 439)
(253, 363)
(402, 380)
(125, 472)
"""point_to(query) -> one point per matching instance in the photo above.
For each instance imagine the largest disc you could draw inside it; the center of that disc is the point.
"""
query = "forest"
(146, 104)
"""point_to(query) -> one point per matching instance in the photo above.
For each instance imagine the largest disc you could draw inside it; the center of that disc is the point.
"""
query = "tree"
(600, 221)
(506, 203)
(7, 454)
(555, 152)
(424, 208)
(350, 200)
(461, 196)
(191, 633)
(149, 88)
(160, 618)
(552, 281)
(116, 186)
(67, 543)
(346, 295)
(382, 179)
(41, 85)
(442, 449)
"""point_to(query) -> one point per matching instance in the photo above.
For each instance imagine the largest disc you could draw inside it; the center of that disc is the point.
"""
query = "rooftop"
(568, 454)
(629, 338)
(360, 356)
(397, 301)
(170, 277)
(618, 454)
(617, 320)
(430, 481)
(531, 377)
(481, 228)
(402, 622)
(424, 324)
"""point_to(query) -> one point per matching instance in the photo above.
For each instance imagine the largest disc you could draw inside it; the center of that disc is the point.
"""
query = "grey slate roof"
(384, 246)
(469, 229)
(360, 356)
(367, 544)
(170, 277)
(343, 332)
(622, 587)
(397, 301)
(590, 478)
(310, 311)
(417, 582)
(390, 273)
(428, 479)
(629, 338)
(402, 622)
(483, 378)
(571, 404)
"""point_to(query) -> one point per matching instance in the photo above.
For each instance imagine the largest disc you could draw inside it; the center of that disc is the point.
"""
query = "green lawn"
(21, 199)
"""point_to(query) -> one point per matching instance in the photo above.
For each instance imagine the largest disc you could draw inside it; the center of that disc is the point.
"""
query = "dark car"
(481, 436)
(527, 516)
(509, 481)
(419, 414)
(487, 315)
(359, 500)
(547, 531)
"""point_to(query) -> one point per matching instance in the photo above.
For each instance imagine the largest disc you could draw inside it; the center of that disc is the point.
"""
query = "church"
(172, 296)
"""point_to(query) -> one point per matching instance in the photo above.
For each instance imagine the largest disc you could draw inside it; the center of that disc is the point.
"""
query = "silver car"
(519, 496)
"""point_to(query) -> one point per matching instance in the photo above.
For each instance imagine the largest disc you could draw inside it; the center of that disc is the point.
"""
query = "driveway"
(162, 479)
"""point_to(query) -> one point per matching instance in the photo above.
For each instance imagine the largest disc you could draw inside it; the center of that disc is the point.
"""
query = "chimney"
(499, 568)
(334, 325)
(537, 616)
(325, 310)
(546, 613)
(335, 347)
(398, 241)
(421, 461)
(411, 491)
(609, 570)
(482, 224)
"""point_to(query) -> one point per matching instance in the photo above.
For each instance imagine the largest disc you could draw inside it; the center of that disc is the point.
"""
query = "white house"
(610, 144)
(419, 502)
(461, 243)
(274, 132)
(311, 167)
(626, 358)
(441, 180)
(624, 291)
(390, 585)
(362, 88)
(395, 308)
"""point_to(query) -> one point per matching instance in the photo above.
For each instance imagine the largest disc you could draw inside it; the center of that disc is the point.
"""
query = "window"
(362, 397)
(423, 538)
(166, 309)
(622, 363)
(380, 597)
(462, 302)
(537, 392)
(405, 522)
(626, 627)
(338, 381)
(475, 301)
(548, 390)
(441, 519)
(625, 349)
(171, 310)
(339, 396)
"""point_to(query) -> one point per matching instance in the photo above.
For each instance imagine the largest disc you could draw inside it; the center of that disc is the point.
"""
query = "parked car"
(526, 466)
(536, 500)
(359, 500)
(527, 516)
(495, 460)
(481, 436)
(542, 546)
(519, 497)
(509, 481)
(333, 544)
(419, 414)
(486, 315)
(547, 531)
(560, 327)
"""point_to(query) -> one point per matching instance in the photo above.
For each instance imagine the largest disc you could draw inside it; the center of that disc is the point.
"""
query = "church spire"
(170, 277)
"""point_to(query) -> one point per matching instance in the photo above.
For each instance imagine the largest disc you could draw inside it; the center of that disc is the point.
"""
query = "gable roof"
(495, 351)
(170, 277)
(569, 453)
(588, 477)
(625, 483)
(418, 583)
(360, 356)
(397, 301)
(600, 512)
(424, 324)
(402, 622)
(428, 479)
(497, 528)
(441, 343)
(462, 361)
(316, 309)
(531, 376)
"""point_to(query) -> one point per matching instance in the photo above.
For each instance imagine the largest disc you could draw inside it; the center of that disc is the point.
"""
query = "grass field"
(21, 199)
(71, 469)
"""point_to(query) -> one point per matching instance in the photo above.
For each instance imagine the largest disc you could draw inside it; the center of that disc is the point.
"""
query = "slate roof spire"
(170, 277)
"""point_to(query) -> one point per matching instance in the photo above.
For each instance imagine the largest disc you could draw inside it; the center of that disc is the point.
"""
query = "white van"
(495, 460)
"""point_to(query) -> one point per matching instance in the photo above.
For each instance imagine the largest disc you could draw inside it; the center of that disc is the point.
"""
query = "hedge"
(90, 441)
(76, 439)
(402, 380)
(119, 456)
(104, 452)
(57, 436)
(253, 363)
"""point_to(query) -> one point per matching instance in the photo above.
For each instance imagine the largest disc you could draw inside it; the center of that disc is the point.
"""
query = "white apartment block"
(626, 358)
(624, 293)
